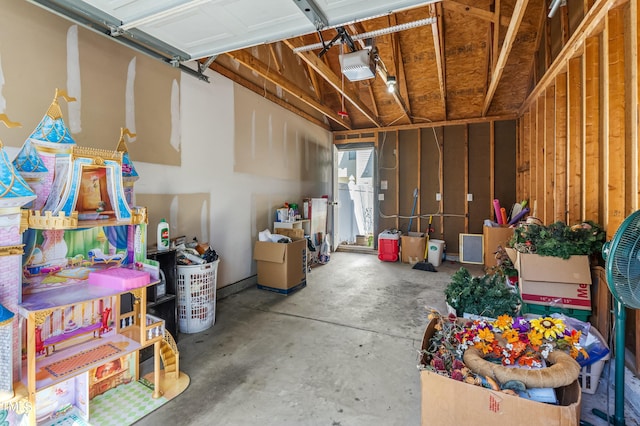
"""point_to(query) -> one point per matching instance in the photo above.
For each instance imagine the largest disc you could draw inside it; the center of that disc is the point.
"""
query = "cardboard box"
(294, 233)
(494, 236)
(281, 266)
(449, 402)
(413, 247)
(553, 281)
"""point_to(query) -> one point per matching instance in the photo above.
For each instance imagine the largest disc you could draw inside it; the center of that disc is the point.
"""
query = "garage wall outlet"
(384, 184)
(469, 197)
(381, 197)
(438, 196)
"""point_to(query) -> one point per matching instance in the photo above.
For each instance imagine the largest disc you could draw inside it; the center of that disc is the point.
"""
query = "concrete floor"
(341, 352)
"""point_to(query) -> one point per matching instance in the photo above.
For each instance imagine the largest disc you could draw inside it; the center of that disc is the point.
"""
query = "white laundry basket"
(196, 296)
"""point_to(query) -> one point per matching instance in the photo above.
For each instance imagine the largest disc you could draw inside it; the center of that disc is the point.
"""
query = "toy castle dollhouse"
(72, 243)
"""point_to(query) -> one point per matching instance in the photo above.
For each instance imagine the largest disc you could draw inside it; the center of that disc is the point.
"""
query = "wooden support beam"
(315, 82)
(547, 42)
(325, 72)
(591, 130)
(549, 150)
(560, 193)
(634, 111)
(575, 142)
(249, 61)
(492, 164)
(401, 93)
(466, 178)
(615, 150)
(438, 44)
(236, 78)
(274, 56)
(564, 24)
(539, 178)
(529, 154)
(512, 31)
(495, 45)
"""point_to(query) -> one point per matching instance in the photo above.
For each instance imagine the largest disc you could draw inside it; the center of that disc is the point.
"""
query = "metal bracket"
(313, 13)
(205, 65)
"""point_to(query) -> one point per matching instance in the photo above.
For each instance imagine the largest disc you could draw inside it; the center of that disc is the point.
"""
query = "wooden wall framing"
(452, 159)
(577, 149)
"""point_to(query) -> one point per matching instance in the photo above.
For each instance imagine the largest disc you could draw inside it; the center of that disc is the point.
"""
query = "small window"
(352, 155)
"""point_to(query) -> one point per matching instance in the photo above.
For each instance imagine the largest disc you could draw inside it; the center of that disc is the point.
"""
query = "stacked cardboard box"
(553, 281)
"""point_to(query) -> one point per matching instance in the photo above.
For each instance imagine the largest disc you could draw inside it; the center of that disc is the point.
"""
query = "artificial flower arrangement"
(509, 354)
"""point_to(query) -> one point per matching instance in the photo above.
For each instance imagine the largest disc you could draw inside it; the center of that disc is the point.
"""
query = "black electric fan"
(622, 264)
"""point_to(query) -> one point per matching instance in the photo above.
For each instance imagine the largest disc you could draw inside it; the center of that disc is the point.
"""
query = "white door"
(354, 191)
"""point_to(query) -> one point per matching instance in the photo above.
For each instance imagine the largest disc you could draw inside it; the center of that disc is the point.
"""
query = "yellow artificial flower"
(511, 336)
(549, 327)
(535, 337)
(503, 322)
(483, 346)
(573, 338)
(486, 335)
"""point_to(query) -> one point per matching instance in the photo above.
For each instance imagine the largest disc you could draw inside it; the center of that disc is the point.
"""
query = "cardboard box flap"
(269, 252)
(533, 267)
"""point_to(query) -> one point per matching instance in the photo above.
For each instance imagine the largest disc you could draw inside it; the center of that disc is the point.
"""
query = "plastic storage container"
(389, 246)
(435, 253)
(582, 315)
(590, 374)
(196, 286)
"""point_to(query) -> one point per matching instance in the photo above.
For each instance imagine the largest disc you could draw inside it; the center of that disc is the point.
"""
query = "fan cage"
(623, 263)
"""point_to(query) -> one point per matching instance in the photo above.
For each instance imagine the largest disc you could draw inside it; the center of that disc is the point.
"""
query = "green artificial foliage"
(486, 295)
(558, 239)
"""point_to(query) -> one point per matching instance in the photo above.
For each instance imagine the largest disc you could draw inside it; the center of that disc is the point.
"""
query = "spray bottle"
(163, 235)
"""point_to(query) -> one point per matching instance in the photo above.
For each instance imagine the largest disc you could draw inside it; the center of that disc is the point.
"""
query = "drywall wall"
(113, 86)
(188, 169)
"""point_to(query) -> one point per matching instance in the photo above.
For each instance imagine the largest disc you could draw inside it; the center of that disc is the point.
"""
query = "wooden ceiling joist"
(512, 31)
(325, 72)
(314, 82)
(401, 93)
(496, 37)
(438, 44)
(249, 61)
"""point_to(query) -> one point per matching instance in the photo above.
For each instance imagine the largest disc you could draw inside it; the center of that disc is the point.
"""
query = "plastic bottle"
(163, 235)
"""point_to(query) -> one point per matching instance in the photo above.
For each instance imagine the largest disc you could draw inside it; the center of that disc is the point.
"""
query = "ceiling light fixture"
(391, 84)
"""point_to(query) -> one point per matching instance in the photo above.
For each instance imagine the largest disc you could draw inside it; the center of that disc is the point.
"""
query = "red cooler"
(389, 245)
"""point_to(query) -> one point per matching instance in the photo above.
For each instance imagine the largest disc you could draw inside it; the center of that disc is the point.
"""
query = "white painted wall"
(242, 204)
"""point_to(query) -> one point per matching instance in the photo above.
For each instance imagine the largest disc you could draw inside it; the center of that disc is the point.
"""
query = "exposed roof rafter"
(512, 31)
(254, 64)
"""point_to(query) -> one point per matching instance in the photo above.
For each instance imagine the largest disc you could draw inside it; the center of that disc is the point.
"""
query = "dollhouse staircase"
(169, 356)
